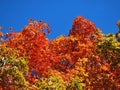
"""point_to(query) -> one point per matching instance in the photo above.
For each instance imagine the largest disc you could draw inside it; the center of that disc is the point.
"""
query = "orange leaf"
(105, 68)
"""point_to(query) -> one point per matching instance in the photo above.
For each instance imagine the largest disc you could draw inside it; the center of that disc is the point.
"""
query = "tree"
(85, 59)
(32, 43)
(12, 69)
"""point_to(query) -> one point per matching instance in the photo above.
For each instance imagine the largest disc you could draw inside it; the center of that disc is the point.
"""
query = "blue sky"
(59, 14)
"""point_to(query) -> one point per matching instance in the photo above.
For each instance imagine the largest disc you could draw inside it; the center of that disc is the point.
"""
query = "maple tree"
(12, 69)
(85, 59)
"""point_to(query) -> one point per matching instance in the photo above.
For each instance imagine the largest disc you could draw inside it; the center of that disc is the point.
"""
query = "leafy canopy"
(86, 59)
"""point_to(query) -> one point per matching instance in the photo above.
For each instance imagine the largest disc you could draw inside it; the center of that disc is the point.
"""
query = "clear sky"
(59, 14)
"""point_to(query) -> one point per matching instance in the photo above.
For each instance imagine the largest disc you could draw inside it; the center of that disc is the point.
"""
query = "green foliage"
(109, 47)
(12, 68)
(84, 60)
(51, 83)
(76, 83)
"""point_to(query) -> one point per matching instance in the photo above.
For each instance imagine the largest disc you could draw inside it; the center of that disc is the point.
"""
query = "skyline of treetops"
(85, 59)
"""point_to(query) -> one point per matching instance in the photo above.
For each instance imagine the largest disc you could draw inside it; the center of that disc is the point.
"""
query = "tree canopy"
(86, 59)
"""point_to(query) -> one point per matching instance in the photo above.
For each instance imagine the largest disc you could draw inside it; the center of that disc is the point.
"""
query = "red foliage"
(32, 43)
(64, 53)
(82, 27)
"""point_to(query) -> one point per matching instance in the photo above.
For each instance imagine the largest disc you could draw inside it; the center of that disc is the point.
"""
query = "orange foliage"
(32, 43)
(75, 55)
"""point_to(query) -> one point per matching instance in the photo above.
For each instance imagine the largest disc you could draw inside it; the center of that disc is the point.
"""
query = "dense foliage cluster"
(86, 59)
